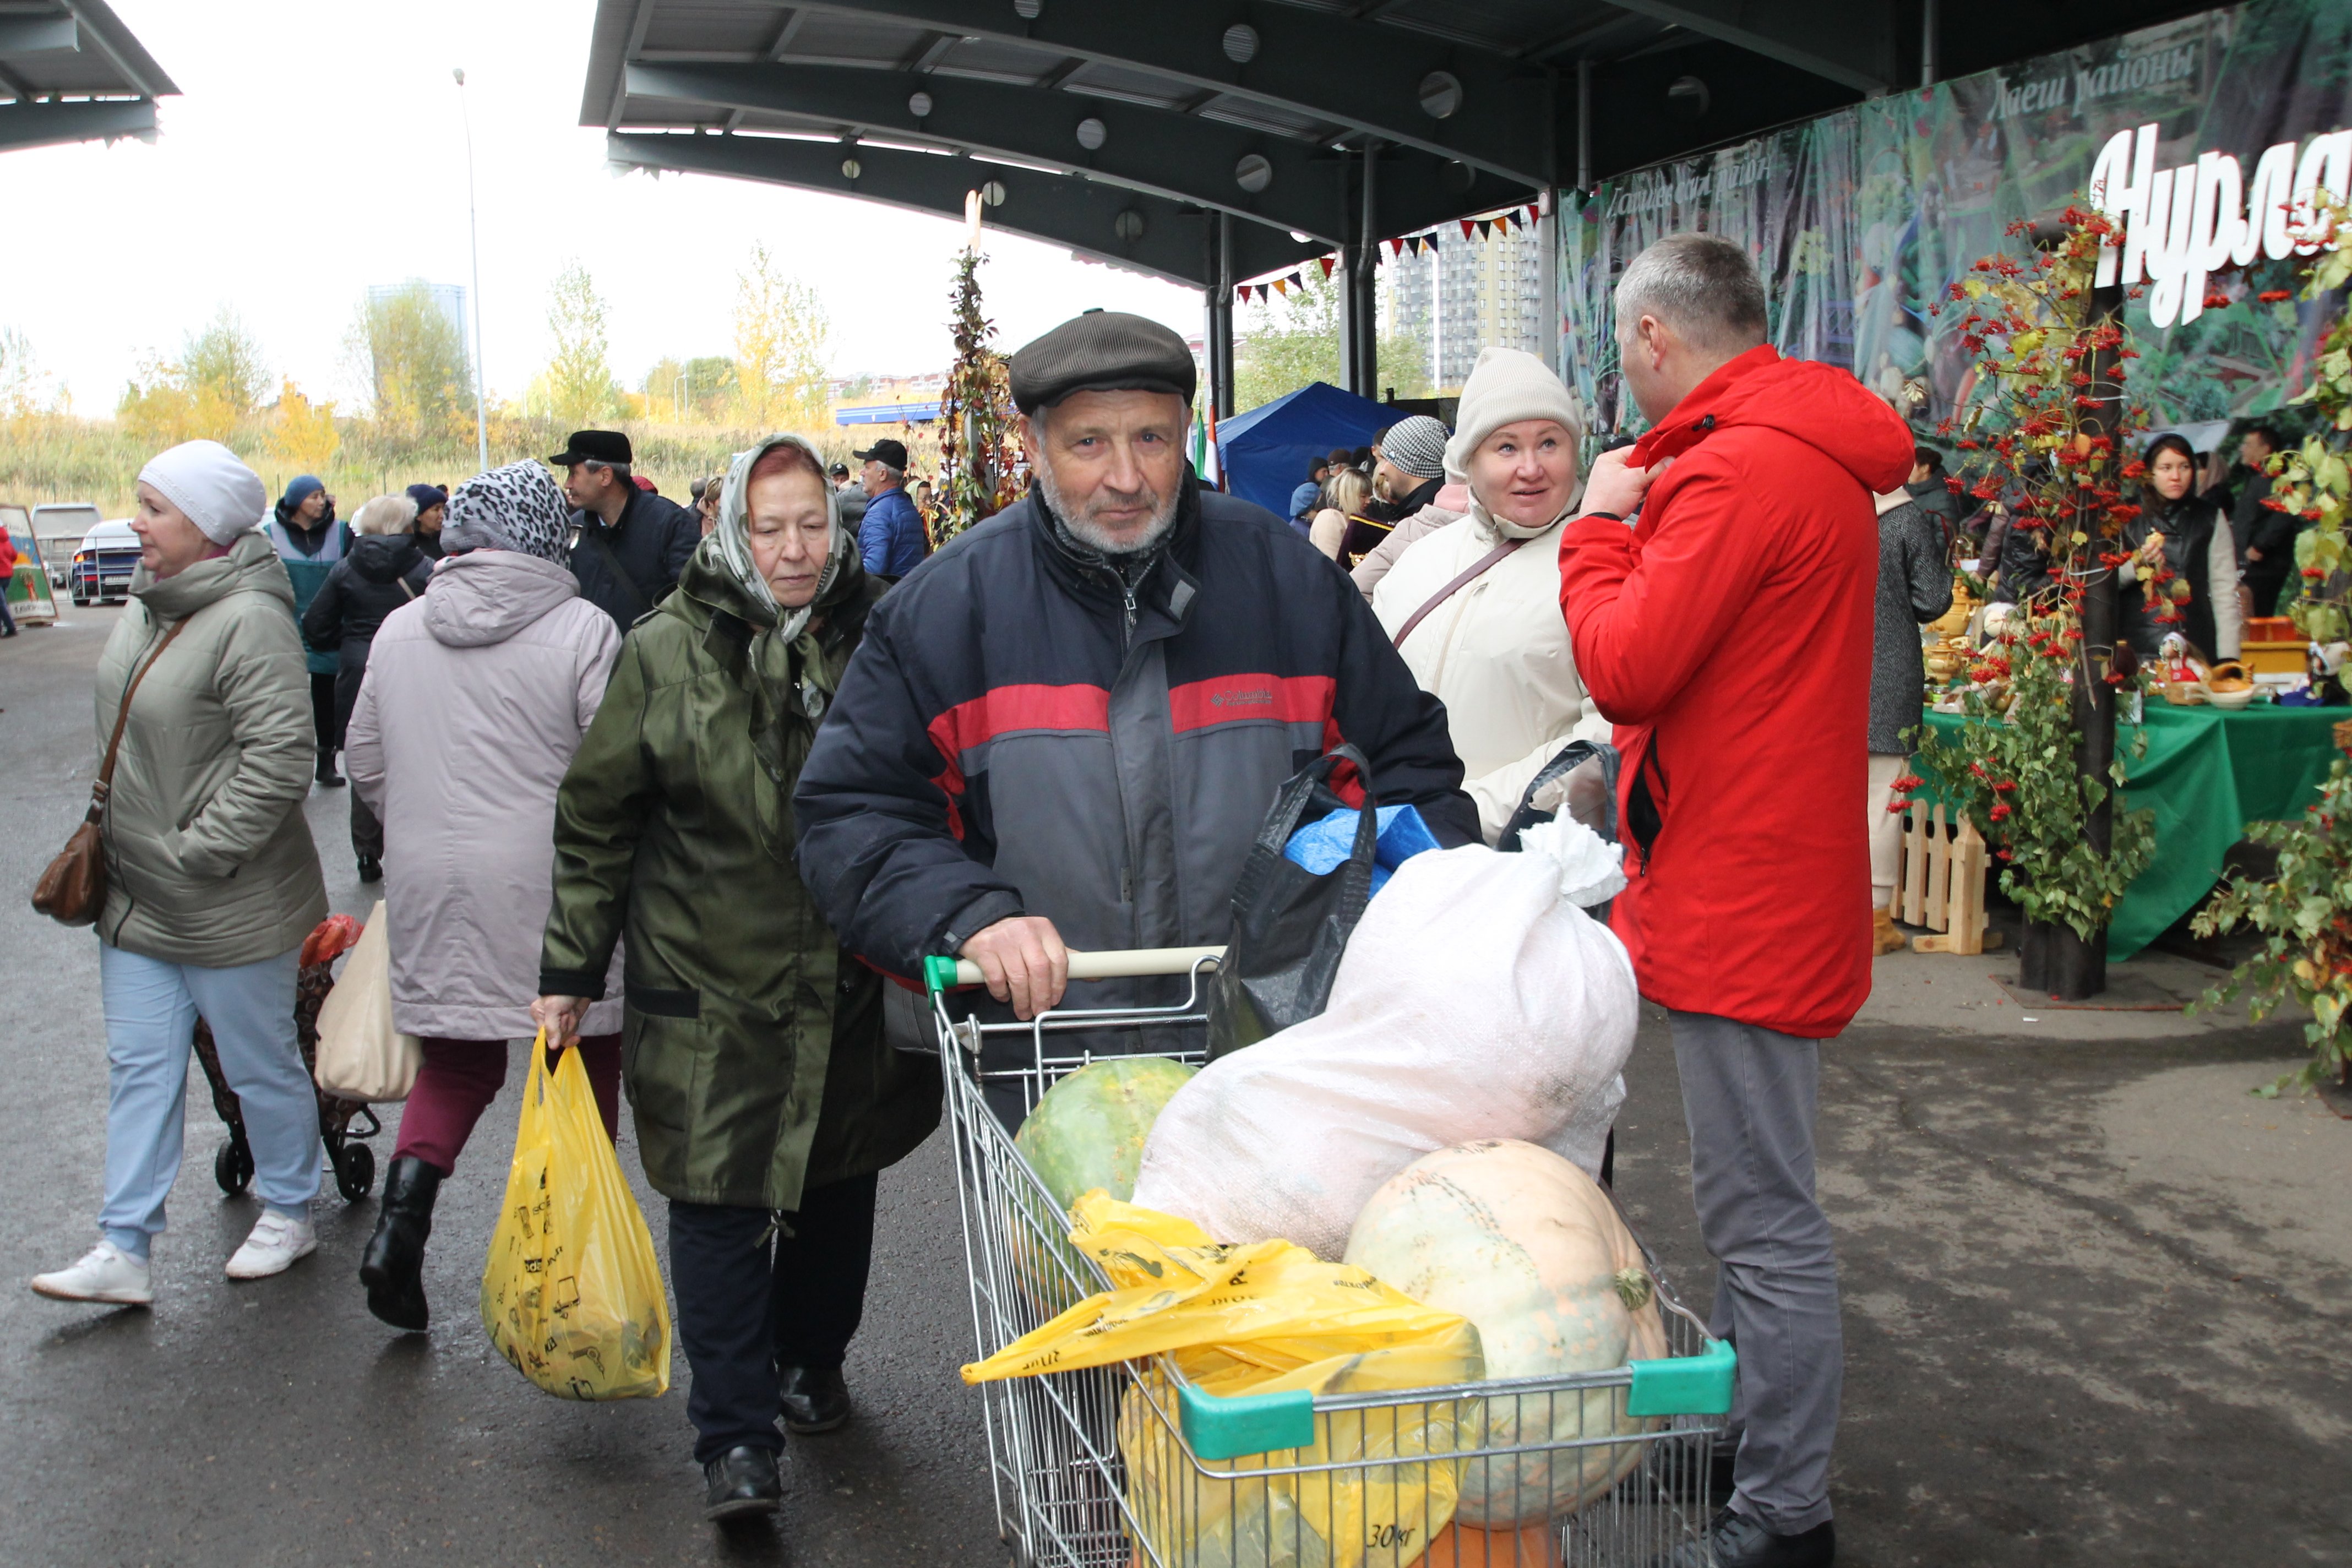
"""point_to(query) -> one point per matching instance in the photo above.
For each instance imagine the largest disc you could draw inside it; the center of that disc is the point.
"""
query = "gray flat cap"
(1102, 351)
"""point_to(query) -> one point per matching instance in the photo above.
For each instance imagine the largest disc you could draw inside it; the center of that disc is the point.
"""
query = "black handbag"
(1291, 925)
(1591, 795)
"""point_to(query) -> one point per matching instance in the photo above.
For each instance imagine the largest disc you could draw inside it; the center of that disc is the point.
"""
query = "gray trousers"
(1748, 1096)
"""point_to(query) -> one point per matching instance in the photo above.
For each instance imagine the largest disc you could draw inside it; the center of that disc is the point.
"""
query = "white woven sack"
(360, 1055)
(1476, 1000)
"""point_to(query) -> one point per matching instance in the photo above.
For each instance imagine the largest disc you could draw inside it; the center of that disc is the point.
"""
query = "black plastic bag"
(1291, 925)
(1588, 774)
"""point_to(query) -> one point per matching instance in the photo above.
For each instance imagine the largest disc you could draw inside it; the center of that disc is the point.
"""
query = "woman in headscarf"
(2183, 574)
(211, 880)
(471, 709)
(384, 571)
(766, 1101)
(309, 540)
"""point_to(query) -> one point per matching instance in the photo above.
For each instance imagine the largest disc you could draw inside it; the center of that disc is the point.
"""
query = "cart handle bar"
(941, 973)
(1234, 1426)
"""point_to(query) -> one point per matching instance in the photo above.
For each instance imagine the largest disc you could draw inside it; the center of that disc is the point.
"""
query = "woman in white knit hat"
(1475, 606)
(212, 881)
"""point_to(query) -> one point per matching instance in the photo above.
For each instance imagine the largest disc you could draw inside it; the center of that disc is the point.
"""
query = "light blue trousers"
(152, 1008)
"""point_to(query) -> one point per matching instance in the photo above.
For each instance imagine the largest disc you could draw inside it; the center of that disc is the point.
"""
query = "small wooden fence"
(1943, 882)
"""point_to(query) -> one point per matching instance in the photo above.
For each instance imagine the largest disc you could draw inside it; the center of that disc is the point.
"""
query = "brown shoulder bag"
(72, 892)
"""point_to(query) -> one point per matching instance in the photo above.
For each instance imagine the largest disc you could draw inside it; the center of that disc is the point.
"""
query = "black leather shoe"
(393, 1267)
(1738, 1542)
(327, 774)
(814, 1401)
(741, 1481)
(370, 869)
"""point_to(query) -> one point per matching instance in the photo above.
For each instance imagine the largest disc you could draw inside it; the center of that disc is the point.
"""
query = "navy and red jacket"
(1019, 735)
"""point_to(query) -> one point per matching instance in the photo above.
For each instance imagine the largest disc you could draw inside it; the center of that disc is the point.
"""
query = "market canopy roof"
(71, 71)
(1114, 129)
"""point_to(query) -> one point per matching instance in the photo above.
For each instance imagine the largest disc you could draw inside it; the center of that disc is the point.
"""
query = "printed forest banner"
(1862, 219)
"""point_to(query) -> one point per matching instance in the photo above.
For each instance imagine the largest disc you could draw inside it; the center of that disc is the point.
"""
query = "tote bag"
(360, 1055)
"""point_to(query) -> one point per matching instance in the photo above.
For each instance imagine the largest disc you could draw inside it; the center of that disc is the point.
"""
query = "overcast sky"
(317, 149)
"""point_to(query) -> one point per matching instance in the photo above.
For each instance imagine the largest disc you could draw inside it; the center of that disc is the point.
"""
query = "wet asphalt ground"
(2096, 1303)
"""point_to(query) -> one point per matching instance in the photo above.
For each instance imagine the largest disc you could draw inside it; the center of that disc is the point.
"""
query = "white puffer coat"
(475, 698)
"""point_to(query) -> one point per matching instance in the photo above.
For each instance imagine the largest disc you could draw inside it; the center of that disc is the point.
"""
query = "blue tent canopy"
(1265, 453)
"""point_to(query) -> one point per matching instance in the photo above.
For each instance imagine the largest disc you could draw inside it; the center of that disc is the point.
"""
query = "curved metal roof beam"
(55, 124)
(1181, 157)
(1166, 239)
(1156, 151)
(1360, 74)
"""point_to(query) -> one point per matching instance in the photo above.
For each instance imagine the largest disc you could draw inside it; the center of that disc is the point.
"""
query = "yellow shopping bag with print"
(572, 1293)
(1374, 1485)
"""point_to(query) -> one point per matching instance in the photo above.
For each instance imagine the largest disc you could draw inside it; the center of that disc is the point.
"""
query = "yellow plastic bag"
(572, 1293)
(1261, 1319)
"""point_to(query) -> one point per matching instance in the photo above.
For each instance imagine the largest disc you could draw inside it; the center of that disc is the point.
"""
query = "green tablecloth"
(2207, 774)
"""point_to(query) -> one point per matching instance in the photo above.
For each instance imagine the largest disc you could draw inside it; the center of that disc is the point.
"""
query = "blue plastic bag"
(1323, 847)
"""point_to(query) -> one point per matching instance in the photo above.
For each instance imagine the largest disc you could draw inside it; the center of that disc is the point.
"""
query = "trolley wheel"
(354, 1172)
(232, 1166)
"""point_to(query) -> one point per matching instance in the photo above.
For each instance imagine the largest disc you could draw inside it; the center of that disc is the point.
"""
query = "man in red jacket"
(1727, 636)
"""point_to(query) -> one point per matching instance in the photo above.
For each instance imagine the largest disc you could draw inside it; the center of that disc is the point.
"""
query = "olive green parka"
(752, 1048)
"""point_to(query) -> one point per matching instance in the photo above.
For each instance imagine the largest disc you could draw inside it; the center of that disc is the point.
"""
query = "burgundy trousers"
(460, 1077)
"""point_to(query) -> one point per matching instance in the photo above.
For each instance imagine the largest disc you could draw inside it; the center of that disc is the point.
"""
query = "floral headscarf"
(514, 508)
(732, 535)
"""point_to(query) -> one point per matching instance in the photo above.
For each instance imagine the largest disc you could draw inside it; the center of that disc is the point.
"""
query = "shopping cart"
(1064, 1497)
(344, 1125)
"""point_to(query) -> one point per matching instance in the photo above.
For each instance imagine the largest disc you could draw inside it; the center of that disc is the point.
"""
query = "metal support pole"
(1364, 282)
(1221, 364)
(474, 244)
(1547, 315)
(1584, 124)
(1930, 24)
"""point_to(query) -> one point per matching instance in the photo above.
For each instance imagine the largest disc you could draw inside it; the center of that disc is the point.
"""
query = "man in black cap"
(628, 544)
(890, 537)
(1067, 726)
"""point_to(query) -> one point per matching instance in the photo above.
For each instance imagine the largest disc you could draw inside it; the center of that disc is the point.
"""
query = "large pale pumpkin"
(1525, 1246)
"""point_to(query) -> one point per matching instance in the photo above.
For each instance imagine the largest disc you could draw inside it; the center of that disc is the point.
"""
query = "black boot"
(1735, 1541)
(370, 869)
(393, 1267)
(741, 1481)
(814, 1401)
(327, 774)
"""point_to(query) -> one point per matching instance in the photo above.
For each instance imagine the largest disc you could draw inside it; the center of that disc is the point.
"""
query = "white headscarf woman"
(1495, 648)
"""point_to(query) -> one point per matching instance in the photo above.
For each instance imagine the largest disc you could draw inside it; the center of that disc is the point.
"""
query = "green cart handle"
(1685, 1384)
(941, 973)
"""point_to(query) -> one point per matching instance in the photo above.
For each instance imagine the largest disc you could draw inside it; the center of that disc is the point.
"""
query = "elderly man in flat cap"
(1065, 729)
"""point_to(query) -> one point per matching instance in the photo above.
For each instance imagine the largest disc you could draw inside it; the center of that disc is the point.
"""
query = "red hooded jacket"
(1727, 636)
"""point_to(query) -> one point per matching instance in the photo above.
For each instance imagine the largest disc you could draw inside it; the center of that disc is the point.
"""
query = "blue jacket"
(1016, 734)
(890, 536)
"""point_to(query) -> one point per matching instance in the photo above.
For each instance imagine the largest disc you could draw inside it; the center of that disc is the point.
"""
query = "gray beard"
(1087, 534)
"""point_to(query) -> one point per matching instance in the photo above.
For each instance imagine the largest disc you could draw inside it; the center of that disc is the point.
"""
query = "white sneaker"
(106, 1273)
(276, 1241)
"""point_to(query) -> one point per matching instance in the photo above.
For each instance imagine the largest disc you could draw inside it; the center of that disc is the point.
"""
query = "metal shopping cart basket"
(1064, 1497)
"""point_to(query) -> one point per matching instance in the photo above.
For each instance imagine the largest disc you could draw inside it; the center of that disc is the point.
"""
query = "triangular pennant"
(1469, 228)
(1264, 292)
(1282, 287)
(1517, 221)
(1396, 248)
(1327, 264)
(1296, 282)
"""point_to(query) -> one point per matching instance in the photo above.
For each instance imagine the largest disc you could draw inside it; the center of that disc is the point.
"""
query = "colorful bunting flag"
(1296, 282)
(1327, 264)
(1469, 228)
(1516, 222)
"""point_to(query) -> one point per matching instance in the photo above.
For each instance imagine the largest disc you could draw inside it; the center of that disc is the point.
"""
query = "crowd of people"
(578, 718)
